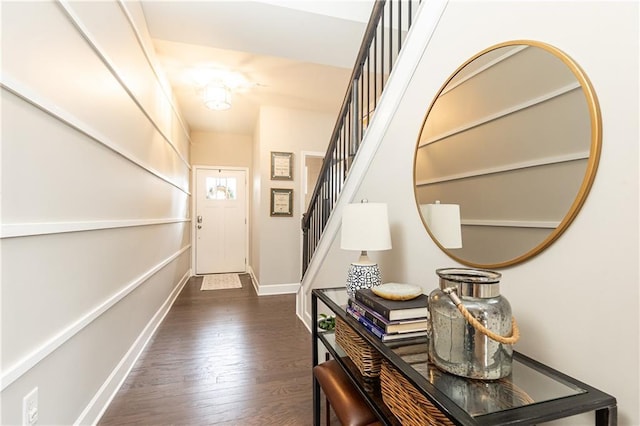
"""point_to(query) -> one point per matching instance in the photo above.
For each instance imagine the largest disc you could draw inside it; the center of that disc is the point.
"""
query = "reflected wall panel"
(498, 242)
(548, 193)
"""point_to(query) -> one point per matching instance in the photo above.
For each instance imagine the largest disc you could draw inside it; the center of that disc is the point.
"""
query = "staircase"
(383, 40)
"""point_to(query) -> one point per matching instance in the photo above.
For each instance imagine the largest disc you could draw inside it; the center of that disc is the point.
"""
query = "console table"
(550, 394)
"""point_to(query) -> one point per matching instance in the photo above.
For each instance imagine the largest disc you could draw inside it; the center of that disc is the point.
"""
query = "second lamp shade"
(443, 221)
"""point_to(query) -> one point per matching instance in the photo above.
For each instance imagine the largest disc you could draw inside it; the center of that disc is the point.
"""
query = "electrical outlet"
(30, 408)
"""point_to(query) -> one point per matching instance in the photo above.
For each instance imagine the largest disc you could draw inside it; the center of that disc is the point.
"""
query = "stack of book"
(390, 319)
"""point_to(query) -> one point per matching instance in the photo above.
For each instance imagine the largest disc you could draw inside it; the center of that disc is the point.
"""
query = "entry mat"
(220, 282)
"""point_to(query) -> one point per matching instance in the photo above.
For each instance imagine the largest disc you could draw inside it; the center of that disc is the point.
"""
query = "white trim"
(299, 304)
(13, 372)
(112, 68)
(44, 105)
(254, 280)
(305, 316)
(418, 39)
(13, 230)
(127, 362)
(485, 67)
(269, 290)
(508, 167)
(273, 289)
(507, 111)
(164, 85)
(303, 187)
(543, 224)
(194, 171)
(303, 181)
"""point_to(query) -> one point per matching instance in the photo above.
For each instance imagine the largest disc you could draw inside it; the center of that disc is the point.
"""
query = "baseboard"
(271, 290)
(254, 280)
(301, 313)
(103, 398)
(306, 320)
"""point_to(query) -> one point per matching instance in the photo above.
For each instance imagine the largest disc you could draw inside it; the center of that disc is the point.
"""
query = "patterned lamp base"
(362, 276)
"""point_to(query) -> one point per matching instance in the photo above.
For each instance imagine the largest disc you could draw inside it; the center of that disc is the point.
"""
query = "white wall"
(278, 240)
(577, 303)
(256, 204)
(95, 204)
(221, 149)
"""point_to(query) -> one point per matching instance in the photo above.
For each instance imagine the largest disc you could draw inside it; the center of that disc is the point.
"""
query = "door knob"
(199, 219)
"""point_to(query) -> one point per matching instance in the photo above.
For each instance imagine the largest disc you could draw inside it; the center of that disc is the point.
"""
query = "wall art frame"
(281, 202)
(281, 165)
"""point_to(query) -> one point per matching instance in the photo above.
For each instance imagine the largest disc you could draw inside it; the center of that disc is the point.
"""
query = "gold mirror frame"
(589, 173)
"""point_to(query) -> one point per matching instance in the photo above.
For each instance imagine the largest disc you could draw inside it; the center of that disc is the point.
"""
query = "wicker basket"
(405, 402)
(413, 408)
(366, 358)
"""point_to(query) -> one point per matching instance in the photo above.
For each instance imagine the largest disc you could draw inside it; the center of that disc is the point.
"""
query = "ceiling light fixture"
(217, 97)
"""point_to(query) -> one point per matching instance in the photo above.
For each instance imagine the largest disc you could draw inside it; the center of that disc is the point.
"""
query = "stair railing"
(387, 29)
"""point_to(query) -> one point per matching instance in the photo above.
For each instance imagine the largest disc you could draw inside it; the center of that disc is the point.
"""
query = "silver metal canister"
(457, 346)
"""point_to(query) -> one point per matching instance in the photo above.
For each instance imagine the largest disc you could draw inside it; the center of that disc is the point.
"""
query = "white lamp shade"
(365, 226)
(443, 221)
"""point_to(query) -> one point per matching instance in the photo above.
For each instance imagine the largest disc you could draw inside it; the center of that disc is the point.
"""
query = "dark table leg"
(607, 416)
(314, 357)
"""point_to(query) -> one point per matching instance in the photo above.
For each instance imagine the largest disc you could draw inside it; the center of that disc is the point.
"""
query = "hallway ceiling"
(299, 54)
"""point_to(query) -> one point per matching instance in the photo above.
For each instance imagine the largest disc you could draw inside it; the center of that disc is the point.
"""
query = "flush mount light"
(215, 85)
(217, 97)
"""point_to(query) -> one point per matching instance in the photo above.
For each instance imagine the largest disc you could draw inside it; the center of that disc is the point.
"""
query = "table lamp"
(365, 227)
(443, 221)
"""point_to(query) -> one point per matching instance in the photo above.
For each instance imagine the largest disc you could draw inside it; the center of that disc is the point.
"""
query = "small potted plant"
(327, 322)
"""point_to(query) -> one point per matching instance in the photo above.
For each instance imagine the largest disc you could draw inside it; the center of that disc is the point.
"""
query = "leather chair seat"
(347, 403)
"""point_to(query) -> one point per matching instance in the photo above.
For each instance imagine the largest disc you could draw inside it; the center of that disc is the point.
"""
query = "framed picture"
(281, 165)
(281, 202)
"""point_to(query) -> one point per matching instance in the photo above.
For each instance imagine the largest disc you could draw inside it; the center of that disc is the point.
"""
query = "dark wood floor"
(223, 357)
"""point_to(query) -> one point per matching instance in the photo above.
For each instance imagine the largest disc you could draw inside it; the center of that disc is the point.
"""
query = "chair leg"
(328, 410)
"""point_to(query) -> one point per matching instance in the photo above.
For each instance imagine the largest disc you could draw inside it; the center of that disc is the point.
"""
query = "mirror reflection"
(513, 137)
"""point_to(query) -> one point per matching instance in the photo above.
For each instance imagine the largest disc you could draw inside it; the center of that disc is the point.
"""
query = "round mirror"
(513, 138)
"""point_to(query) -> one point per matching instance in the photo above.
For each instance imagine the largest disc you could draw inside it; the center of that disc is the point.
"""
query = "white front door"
(221, 221)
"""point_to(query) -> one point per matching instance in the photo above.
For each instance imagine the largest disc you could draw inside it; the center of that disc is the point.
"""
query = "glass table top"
(524, 386)
(528, 384)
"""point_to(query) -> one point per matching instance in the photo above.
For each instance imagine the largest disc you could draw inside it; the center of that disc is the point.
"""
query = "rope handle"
(507, 340)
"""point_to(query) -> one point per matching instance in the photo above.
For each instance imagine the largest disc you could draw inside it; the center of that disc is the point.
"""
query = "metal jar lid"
(470, 282)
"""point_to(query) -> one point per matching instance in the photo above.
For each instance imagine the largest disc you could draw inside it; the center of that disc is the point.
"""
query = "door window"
(223, 188)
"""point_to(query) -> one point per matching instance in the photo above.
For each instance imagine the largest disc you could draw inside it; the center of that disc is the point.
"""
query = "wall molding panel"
(86, 34)
(505, 112)
(485, 67)
(70, 120)
(12, 373)
(512, 223)
(101, 400)
(163, 84)
(15, 230)
(583, 155)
